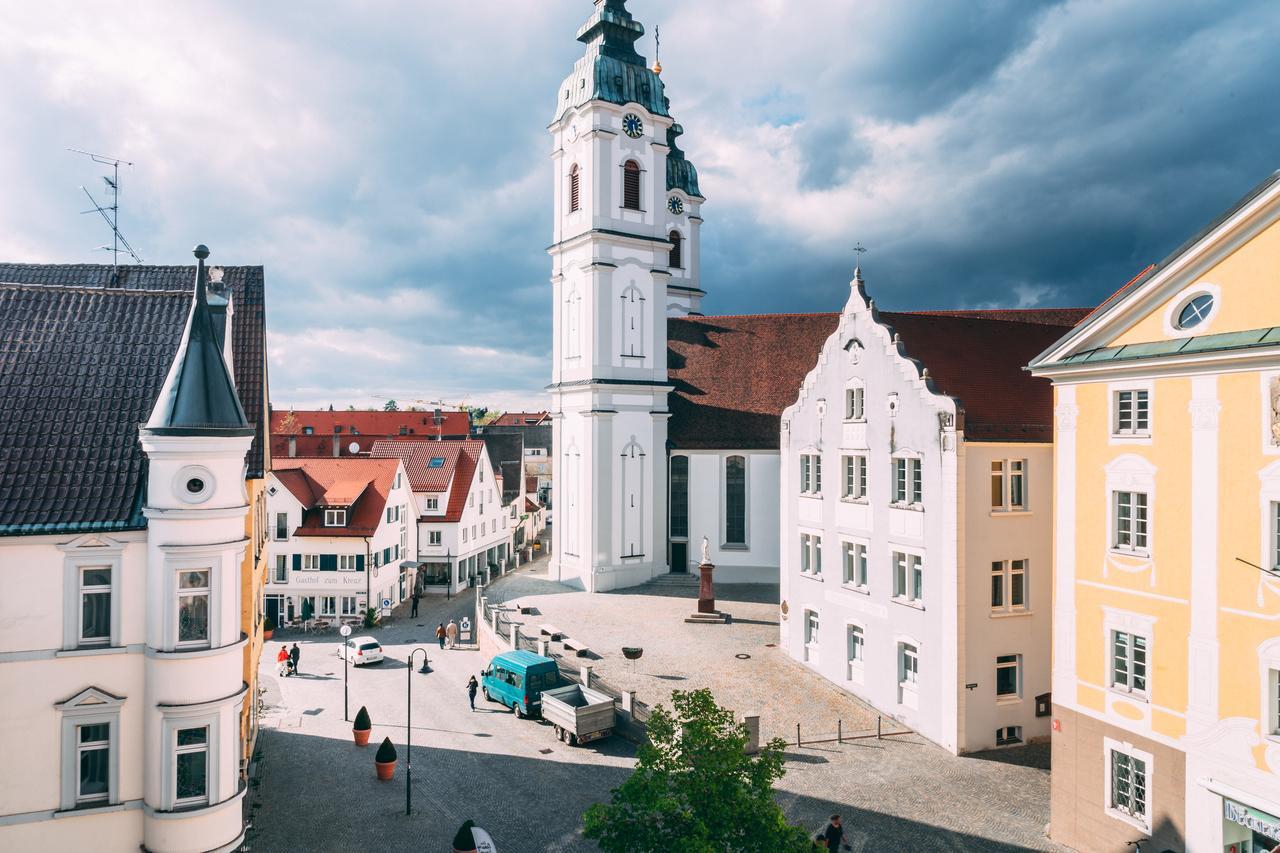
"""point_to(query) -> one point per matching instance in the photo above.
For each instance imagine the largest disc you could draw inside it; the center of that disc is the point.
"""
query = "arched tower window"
(631, 185)
(575, 188)
(633, 498)
(674, 261)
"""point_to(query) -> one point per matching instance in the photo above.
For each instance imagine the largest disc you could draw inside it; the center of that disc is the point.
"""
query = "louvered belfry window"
(631, 185)
(575, 188)
(674, 261)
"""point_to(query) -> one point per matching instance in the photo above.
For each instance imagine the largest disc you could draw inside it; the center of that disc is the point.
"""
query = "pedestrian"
(294, 654)
(440, 634)
(451, 632)
(413, 611)
(831, 836)
(472, 686)
(282, 661)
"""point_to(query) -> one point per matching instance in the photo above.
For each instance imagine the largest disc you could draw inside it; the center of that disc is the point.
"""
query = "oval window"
(1195, 312)
(195, 485)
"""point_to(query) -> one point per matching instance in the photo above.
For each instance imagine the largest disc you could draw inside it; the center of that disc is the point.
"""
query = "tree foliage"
(695, 790)
(390, 406)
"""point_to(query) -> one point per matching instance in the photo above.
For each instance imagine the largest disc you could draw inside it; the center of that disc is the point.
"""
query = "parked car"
(517, 679)
(361, 650)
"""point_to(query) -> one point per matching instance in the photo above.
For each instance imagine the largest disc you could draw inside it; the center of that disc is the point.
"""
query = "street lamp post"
(408, 728)
(345, 631)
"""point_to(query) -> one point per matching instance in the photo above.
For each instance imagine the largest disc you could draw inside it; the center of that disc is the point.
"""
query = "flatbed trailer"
(578, 714)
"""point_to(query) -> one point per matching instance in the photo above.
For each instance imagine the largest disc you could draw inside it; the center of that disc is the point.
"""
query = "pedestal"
(706, 589)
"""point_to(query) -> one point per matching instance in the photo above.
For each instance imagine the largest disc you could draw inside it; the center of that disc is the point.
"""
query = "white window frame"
(335, 518)
(1110, 747)
(328, 605)
(1131, 434)
(464, 534)
(853, 477)
(909, 587)
(811, 554)
(435, 537)
(195, 592)
(1009, 736)
(200, 716)
(811, 474)
(855, 651)
(1269, 678)
(95, 589)
(89, 707)
(280, 571)
(275, 527)
(906, 481)
(209, 759)
(350, 606)
(1006, 473)
(1013, 662)
(88, 552)
(908, 677)
(812, 634)
(1134, 624)
(1130, 473)
(1005, 571)
(1136, 507)
(347, 562)
(310, 562)
(855, 402)
(854, 563)
(433, 504)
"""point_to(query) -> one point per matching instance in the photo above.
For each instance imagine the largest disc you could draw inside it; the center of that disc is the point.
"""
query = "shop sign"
(1251, 819)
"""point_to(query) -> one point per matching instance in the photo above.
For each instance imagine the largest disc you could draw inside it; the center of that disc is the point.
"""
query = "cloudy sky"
(388, 162)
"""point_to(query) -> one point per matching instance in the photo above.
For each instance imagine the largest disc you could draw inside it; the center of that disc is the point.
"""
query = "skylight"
(436, 462)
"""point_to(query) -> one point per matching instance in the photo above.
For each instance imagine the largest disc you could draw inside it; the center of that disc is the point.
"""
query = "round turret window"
(193, 484)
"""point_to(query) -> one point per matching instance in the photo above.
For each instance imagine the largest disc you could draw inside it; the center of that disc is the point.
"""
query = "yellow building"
(1166, 660)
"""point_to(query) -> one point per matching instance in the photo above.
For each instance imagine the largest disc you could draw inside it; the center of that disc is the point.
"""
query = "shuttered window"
(575, 188)
(675, 261)
(631, 185)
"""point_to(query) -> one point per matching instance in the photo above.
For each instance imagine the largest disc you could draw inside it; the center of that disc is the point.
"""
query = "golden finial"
(657, 48)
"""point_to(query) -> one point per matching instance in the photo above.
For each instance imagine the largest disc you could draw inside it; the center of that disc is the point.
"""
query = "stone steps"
(680, 579)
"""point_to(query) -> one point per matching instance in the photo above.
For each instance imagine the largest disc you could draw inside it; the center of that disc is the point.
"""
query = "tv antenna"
(111, 212)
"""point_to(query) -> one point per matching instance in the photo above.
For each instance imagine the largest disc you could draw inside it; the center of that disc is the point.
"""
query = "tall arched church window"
(675, 261)
(631, 185)
(633, 498)
(575, 188)
(735, 500)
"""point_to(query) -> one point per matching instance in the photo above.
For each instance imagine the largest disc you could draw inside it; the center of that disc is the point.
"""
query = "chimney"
(337, 447)
(293, 446)
(436, 417)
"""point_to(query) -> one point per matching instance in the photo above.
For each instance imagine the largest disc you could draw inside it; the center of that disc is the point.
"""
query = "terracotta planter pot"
(267, 634)
(386, 770)
(361, 736)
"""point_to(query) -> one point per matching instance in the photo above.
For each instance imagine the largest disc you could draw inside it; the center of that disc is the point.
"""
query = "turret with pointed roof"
(199, 396)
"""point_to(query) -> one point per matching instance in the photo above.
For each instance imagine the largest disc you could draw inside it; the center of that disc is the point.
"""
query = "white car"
(361, 650)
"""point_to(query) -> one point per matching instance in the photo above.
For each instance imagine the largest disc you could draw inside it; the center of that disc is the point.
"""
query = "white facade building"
(121, 653)
(342, 532)
(462, 527)
(916, 512)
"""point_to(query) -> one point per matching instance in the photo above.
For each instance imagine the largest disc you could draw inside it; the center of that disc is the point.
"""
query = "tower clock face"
(632, 125)
(675, 205)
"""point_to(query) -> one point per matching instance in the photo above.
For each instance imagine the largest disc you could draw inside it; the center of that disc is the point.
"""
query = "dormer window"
(335, 518)
(308, 430)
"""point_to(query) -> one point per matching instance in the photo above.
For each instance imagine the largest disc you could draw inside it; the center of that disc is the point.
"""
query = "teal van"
(517, 679)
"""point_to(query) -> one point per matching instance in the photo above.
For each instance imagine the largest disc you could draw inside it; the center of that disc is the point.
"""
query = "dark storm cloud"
(390, 164)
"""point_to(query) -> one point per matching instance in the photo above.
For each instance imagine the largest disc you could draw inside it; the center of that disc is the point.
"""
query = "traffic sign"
(386, 602)
(345, 630)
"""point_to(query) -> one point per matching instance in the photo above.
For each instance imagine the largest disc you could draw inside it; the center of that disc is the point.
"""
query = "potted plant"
(370, 617)
(268, 627)
(385, 761)
(361, 727)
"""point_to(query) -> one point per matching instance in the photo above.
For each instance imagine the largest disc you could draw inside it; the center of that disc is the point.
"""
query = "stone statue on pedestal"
(706, 550)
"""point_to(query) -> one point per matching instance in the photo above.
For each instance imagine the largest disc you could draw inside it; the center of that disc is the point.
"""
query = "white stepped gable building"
(640, 380)
(121, 652)
(343, 530)
(916, 487)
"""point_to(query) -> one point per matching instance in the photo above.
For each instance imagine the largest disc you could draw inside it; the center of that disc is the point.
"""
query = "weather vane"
(657, 50)
(859, 250)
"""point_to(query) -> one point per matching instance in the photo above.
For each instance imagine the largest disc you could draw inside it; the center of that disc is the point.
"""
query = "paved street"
(318, 791)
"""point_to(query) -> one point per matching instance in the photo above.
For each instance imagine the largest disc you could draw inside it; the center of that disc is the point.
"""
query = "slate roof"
(734, 375)
(361, 484)
(81, 365)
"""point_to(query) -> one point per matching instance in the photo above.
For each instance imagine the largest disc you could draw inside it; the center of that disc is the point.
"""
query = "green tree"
(390, 406)
(695, 790)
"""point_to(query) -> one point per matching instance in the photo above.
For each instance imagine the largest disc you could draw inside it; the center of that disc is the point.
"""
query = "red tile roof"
(734, 375)
(458, 461)
(317, 483)
(520, 419)
(531, 484)
(530, 505)
(360, 428)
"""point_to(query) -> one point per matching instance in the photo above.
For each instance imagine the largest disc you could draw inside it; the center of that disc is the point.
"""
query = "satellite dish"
(353, 447)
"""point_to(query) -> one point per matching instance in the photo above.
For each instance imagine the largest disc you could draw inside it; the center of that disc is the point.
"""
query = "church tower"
(624, 258)
(196, 505)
